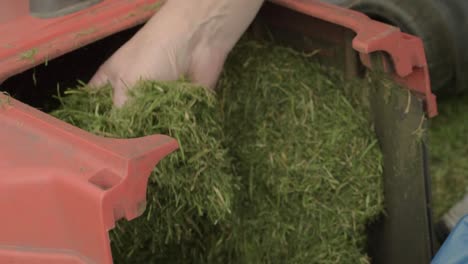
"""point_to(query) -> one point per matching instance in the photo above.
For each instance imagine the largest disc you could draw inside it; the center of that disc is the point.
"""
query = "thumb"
(101, 78)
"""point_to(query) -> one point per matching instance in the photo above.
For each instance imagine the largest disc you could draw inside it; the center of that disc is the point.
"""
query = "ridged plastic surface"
(62, 189)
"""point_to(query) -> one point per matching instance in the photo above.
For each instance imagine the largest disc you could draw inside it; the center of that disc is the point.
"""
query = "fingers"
(99, 79)
(174, 44)
(120, 93)
(120, 87)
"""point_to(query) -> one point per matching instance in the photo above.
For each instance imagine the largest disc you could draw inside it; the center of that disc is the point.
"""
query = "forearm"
(224, 21)
(213, 22)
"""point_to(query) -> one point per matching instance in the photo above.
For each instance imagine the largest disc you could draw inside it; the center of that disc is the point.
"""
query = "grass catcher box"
(353, 44)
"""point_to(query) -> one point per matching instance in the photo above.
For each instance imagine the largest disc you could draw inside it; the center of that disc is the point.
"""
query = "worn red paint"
(54, 37)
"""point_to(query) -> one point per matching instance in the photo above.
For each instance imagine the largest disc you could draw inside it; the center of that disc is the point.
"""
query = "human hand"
(185, 38)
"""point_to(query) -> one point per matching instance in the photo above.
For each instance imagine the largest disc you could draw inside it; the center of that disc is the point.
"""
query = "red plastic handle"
(406, 51)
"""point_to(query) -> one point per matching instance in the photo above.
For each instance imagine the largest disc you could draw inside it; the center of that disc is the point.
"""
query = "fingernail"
(98, 81)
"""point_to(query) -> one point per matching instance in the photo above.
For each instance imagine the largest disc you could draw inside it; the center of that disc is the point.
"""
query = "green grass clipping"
(279, 167)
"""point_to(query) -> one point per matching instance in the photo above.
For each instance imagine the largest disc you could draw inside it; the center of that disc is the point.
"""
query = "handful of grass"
(281, 168)
(190, 192)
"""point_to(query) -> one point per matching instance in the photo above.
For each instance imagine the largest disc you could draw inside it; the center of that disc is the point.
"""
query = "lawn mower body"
(441, 24)
(67, 166)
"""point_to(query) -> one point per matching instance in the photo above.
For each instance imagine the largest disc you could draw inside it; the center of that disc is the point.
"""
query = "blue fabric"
(455, 248)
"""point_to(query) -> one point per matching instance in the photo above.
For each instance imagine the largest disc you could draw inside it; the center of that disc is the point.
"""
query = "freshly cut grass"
(306, 156)
(282, 168)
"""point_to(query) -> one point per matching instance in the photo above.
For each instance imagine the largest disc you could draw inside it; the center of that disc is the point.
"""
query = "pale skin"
(185, 38)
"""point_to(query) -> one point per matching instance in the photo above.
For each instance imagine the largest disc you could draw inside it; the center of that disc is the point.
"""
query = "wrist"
(218, 23)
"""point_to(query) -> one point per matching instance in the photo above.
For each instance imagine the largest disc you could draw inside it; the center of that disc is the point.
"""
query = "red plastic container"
(62, 189)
